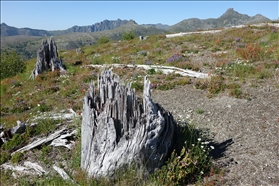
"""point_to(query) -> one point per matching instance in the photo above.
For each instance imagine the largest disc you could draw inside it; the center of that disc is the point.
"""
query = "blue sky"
(60, 15)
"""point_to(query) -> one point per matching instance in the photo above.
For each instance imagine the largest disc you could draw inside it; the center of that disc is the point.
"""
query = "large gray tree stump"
(47, 58)
(117, 130)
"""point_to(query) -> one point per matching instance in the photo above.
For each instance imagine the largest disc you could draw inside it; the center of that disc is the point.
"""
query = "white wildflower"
(199, 139)
(38, 105)
(202, 146)
(212, 147)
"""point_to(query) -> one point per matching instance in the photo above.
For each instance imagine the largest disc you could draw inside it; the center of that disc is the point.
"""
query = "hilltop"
(228, 19)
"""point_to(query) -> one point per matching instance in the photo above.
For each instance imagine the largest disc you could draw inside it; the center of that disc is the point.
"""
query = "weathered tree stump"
(47, 58)
(118, 130)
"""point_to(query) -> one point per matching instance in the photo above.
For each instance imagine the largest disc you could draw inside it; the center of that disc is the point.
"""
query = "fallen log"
(28, 168)
(62, 141)
(164, 69)
(62, 173)
(118, 130)
(41, 141)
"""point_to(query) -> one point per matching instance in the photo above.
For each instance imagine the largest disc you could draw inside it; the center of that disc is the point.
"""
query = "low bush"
(126, 36)
(251, 52)
(189, 163)
(103, 40)
(11, 64)
(151, 71)
(214, 85)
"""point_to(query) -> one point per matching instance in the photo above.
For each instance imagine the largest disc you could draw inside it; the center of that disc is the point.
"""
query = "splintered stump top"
(47, 58)
(118, 130)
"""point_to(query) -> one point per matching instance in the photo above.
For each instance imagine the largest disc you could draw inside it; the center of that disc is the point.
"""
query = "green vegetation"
(189, 163)
(199, 111)
(214, 85)
(11, 64)
(103, 40)
(236, 58)
(4, 156)
(16, 157)
(42, 128)
(126, 36)
(15, 142)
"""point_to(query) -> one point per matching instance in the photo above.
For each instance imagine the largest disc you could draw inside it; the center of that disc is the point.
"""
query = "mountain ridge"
(25, 40)
(228, 19)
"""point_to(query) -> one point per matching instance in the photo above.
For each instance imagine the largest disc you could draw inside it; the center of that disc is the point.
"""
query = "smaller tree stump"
(47, 58)
(118, 130)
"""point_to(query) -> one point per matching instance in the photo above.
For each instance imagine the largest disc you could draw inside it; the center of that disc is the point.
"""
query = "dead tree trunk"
(118, 130)
(47, 58)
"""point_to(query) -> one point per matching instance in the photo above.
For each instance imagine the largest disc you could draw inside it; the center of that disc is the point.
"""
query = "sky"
(61, 15)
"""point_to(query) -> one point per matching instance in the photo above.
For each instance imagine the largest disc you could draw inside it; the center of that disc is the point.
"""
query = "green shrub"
(189, 163)
(151, 71)
(103, 40)
(11, 64)
(214, 85)
(128, 36)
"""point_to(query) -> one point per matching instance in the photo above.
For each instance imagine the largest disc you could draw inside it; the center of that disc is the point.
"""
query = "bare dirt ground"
(245, 131)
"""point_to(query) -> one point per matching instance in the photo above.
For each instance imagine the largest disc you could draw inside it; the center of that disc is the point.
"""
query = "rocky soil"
(245, 131)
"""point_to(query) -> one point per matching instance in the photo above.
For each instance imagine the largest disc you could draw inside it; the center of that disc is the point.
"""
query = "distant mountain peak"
(230, 12)
(228, 19)
(132, 21)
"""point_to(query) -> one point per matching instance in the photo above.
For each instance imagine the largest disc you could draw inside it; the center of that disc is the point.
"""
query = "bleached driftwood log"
(62, 173)
(47, 58)
(118, 130)
(41, 141)
(164, 69)
(28, 168)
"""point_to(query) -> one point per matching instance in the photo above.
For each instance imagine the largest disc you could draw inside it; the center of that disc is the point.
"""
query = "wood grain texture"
(118, 130)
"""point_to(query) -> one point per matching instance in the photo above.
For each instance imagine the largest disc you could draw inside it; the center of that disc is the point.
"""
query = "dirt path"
(247, 130)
